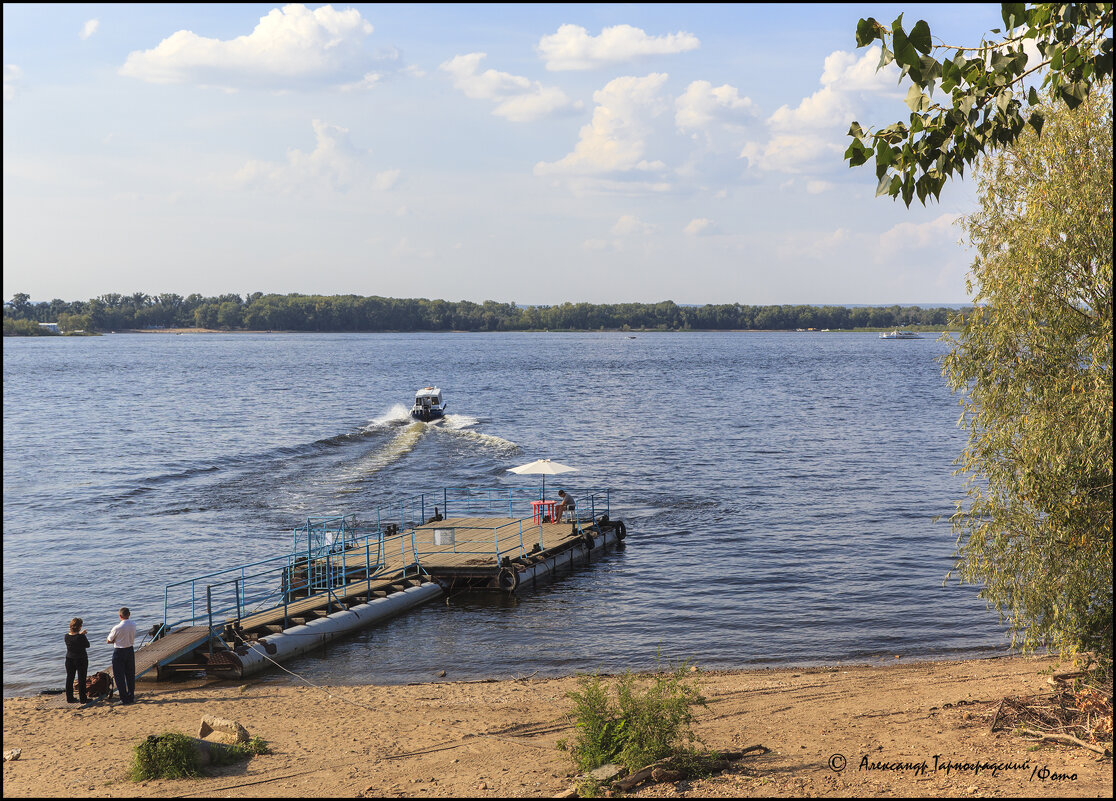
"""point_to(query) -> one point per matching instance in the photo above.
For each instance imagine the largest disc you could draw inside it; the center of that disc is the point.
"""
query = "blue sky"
(527, 153)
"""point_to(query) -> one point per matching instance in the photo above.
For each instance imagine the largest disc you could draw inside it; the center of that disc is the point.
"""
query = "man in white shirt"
(123, 638)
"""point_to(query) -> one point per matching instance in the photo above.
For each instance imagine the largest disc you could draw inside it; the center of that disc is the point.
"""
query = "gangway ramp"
(170, 648)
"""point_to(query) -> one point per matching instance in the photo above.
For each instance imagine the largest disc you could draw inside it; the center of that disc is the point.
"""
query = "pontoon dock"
(341, 574)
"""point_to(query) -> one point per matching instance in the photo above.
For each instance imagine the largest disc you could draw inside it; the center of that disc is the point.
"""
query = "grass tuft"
(648, 720)
(170, 755)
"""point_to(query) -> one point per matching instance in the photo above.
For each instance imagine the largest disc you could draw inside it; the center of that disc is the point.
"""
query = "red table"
(543, 510)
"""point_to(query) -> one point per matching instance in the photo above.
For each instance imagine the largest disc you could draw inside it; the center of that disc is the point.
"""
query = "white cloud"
(517, 98)
(916, 236)
(702, 104)
(817, 246)
(615, 139)
(817, 187)
(370, 80)
(572, 48)
(12, 76)
(700, 226)
(89, 28)
(334, 164)
(386, 180)
(811, 136)
(290, 46)
(628, 232)
(794, 153)
(629, 225)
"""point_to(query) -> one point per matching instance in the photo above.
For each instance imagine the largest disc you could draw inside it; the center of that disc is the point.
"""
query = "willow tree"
(1033, 366)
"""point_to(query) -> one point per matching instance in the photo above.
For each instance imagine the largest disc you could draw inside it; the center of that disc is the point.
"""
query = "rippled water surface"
(778, 490)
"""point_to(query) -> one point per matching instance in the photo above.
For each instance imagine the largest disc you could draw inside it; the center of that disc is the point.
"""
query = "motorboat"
(899, 335)
(428, 404)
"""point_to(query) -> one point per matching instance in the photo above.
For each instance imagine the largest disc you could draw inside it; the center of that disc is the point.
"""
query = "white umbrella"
(543, 467)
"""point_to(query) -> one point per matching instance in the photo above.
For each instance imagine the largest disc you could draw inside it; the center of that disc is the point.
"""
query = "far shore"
(631, 332)
(842, 730)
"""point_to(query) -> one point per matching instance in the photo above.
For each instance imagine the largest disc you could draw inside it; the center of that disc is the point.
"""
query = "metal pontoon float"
(341, 575)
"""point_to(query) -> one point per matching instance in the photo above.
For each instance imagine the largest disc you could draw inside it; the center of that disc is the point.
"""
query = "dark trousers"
(124, 671)
(78, 667)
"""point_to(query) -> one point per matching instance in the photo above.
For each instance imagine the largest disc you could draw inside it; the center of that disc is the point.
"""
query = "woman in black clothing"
(77, 661)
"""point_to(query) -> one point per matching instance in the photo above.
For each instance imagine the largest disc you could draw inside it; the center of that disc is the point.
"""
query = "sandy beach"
(498, 738)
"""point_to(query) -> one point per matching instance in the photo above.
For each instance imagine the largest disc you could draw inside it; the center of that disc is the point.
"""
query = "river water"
(779, 490)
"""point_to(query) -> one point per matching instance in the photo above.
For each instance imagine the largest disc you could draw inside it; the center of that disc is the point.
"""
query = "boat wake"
(488, 440)
(457, 421)
(397, 415)
(396, 448)
(410, 433)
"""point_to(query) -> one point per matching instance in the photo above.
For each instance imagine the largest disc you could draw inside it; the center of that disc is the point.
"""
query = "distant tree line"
(294, 312)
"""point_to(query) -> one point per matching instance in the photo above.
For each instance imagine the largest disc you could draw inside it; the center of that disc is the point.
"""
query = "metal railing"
(514, 502)
(229, 595)
(334, 551)
(515, 537)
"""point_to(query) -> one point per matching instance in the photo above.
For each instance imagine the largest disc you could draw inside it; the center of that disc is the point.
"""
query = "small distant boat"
(428, 404)
(899, 335)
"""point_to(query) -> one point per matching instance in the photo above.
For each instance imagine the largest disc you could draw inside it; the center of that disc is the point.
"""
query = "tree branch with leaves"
(986, 85)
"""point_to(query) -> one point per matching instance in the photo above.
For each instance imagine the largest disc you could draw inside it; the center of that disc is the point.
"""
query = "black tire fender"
(621, 530)
(508, 579)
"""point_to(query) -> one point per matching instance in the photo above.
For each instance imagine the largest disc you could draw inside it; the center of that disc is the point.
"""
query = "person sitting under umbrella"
(567, 502)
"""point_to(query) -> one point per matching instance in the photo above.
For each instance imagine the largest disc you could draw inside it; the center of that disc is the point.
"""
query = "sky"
(533, 154)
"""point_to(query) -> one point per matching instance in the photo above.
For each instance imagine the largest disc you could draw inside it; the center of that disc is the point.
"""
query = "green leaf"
(856, 130)
(908, 190)
(1074, 94)
(1070, 57)
(1014, 14)
(856, 154)
(1033, 97)
(931, 69)
(885, 154)
(882, 186)
(1003, 100)
(914, 98)
(920, 36)
(1102, 63)
(867, 31)
(906, 56)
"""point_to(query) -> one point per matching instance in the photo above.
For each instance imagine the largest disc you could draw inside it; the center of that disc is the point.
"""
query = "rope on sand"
(306, 680)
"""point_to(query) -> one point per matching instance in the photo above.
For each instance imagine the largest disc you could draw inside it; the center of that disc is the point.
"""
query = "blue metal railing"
(495, 542)
(221, 596)
(334, 551)
(514, 502)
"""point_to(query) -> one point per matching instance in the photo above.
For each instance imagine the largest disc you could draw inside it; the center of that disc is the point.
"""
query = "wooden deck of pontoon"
(476, 541)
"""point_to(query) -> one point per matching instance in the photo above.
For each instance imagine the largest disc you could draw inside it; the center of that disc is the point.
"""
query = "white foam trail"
(483, 439)
(397, 414)
(459, 421)
(400, 445)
